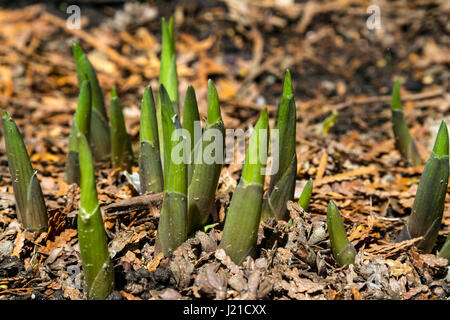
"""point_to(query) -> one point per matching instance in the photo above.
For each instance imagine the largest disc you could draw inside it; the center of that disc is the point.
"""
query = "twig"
(133, 204)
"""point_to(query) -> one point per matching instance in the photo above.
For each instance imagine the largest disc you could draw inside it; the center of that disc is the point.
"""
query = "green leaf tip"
(213, 104)
(77, 50)
(148, 123)
(168, 68)
(440, 148)
(396, 100)
(288, 91)
(305, 197)
(113, 92)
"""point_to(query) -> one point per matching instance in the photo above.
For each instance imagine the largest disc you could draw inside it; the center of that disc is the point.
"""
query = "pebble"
(6, 248)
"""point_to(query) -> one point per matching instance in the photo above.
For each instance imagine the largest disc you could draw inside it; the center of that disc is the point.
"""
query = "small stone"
(6, 248)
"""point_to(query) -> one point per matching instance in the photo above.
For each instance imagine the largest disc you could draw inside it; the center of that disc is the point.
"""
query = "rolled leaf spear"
(207, 165)
(343, 250)
(282, 183)
(305, 197)
(121, 151)
(168, 68)
(168, 79)
(150, 169)
(81, 123)
(426, 216)
(95, 258)
(172, 228)
(403, 140)
(240, 232)
(192, 127)
(30, 204)
(99, 135)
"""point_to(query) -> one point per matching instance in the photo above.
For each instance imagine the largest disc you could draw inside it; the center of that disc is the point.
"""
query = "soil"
(337, 64)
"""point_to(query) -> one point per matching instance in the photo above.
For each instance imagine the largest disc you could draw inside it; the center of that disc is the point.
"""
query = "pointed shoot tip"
(441, 144)
(113, 92)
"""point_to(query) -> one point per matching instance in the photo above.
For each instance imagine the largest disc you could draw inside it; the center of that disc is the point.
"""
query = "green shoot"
(99, 138)
(81, 123)
(343, 250)
(426, 216)
(150, 170)
(121, 151)
(97, 266)
(403, 140)
(282, 183)
(30, 204)
(240, 232)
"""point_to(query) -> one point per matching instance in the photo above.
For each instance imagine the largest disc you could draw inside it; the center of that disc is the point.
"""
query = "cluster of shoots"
(189, 186)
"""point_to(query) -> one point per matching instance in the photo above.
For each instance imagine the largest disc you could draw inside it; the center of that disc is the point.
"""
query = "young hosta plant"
(168, 78)
(121, 151)
(428, 207)
(282, 183)
(207, 165)
(99, 138)
(343, 250)
(30, 204)
(305, 197)
(403, 140)
(150, 170)
(172, 229)
(95, 258)
(81, 123)
(240, 232)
